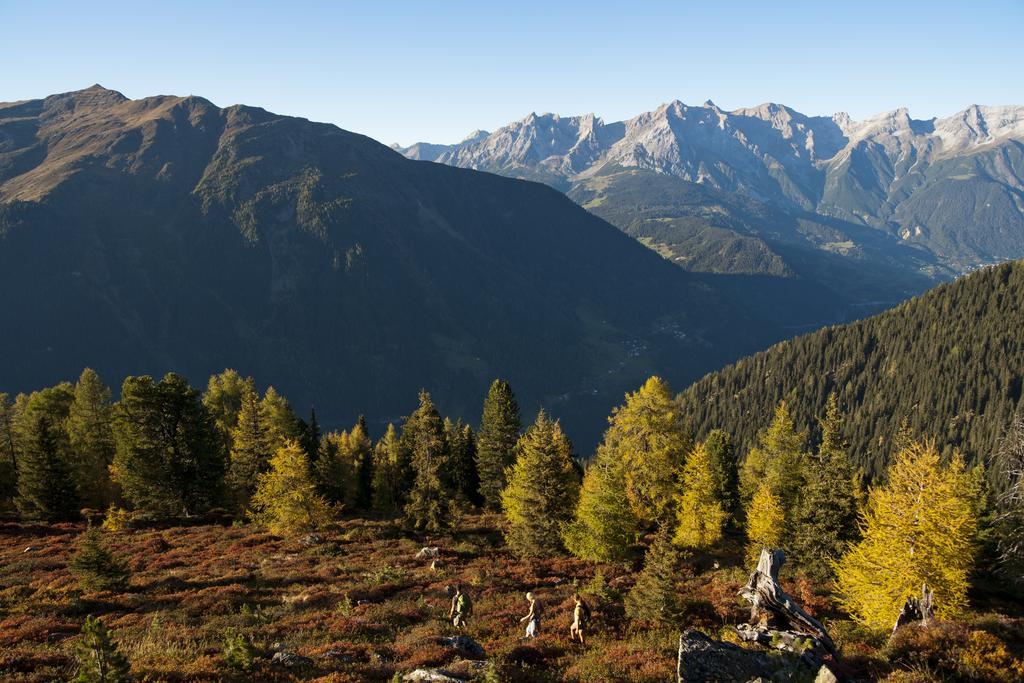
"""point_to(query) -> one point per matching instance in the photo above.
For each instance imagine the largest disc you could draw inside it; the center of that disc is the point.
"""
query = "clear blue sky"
(435, 70)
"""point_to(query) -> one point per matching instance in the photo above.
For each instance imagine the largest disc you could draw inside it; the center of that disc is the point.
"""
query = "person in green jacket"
(462, 607)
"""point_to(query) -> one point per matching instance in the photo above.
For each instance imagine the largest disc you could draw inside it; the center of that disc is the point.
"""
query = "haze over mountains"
(143, 236)
(952, 186)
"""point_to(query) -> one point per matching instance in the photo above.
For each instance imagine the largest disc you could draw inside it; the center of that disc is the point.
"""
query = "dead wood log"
(920, 609)
(773, 612)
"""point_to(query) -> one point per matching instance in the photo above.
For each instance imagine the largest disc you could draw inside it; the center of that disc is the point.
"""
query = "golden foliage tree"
(700, 513)
(286, 499)
(648, 436)
(604, 527)
(919, 528)
(765, 520)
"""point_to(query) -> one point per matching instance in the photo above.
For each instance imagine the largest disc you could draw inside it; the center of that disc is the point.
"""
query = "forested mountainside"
(949, 363)
(949, 185)
(143, 236)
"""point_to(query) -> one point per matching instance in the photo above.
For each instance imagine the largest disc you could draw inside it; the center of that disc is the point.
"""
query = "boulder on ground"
(291, 660)
(430, 676)
(465, 646)
(428, 553)
(702, 659)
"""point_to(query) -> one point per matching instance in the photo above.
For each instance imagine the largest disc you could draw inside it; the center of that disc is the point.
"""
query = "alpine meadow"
(703, 393)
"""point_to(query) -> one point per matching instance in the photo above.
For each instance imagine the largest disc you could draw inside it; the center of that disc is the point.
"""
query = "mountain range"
(166, 233)
(952, 187)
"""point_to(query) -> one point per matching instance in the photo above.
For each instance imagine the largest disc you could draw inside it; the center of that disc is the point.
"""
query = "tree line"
(167, 450)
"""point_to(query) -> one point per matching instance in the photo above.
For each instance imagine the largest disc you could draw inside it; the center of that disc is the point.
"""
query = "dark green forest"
(948, 364)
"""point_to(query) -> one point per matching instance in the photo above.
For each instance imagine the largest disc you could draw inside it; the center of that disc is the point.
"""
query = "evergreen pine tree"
(169, 458)
(46, 485)
(96, 567)
(722, 452)
(283, 424)
(8, 453)
(286, 499)
(462, 460)
(99, 658)
(604, 527)
(311, 437)
(496, 442)
(91, 440)
(542, 489)
(654, 598)
(430, 505)
(250, 447)
(700, 514)
(1009, 491)
(648, 435)
(825, 518)
(387, 479)
(919, 528)
(364, 498)
(765, 521)
(342, 459)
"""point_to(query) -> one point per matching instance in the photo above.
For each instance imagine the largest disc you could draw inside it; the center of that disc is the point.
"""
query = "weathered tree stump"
(775, 619)
(920, 609)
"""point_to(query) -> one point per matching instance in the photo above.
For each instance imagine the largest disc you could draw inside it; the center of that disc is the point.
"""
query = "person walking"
(462, 607)
(580, 619)
(533, 618)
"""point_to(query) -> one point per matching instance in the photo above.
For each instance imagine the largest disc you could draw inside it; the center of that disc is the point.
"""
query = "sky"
(435, 71)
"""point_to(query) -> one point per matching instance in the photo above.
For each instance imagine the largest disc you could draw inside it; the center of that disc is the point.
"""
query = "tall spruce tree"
(8, 453)
(500, 427)
(654, 598)
(825, 519)
(91, 437)
(283, 425)
(311, 436)
(700, 513)
(431, 503)
(342, 458)
(648, 435)
(462, 460)
(1008, 468)
(918, 528)
(387, 477)
(542, 489)
(604, 527)
(169, 458)
(251, 447)
(46, 485)
(778, 458)
(722, 453)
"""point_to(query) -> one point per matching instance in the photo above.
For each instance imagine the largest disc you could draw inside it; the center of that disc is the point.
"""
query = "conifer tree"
(223, 401)
(722, 453)
(91, 438)
(283, 424)
(364, 498)
(654, 598)
(95, 566)
(99, 658)
(648, 435)
(462, 460)
(46, 485)
(765, 521)
(542, 489)
(700, 514)
(825, 518)
(311, 437)
(430, 505)
(387, 478)
(918, 529)
(778, 458)
(169, 458)
(342, 458)
(8, 453)
(495, 448)
(250, 447)
(286, 499)
(604, 527)
(1009, 491)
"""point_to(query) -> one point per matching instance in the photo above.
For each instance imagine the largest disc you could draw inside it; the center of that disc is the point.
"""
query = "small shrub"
(99, 659)
(117, 519)
(239, 653)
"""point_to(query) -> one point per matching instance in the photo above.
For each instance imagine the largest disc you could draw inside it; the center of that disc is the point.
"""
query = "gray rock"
(702, 659)
(310, 540)
(291, 660)
(465, 646)
(430, 676)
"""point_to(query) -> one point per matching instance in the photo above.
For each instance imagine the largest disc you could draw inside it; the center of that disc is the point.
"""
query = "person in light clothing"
(533, 618)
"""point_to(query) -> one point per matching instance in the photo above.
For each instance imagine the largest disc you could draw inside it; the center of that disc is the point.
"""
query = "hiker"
(580, 619)
(462, 607)
(533, 618)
